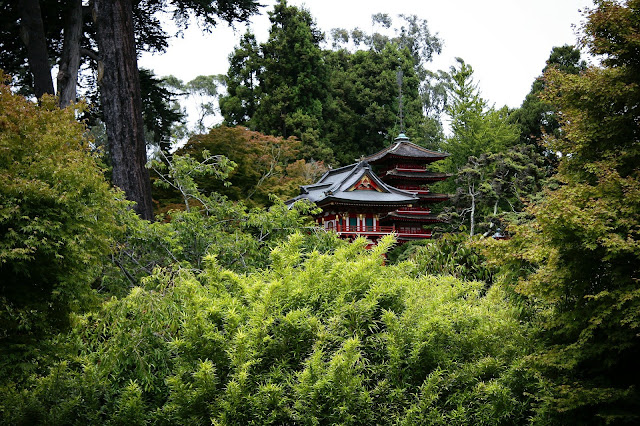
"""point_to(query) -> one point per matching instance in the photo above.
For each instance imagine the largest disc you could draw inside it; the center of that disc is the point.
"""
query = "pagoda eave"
(412, 218)
(360, 204)
(420, 178)
(433, 197)
(405, 157)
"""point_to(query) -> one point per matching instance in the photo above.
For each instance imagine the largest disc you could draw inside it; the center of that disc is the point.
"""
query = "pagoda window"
(353, 223)
(368, 222)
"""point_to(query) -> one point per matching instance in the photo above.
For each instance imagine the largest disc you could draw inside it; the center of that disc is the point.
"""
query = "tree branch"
(90, 53)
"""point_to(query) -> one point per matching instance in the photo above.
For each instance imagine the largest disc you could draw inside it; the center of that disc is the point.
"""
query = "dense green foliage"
(476, 127)
(493, 188)
(209, 224)
(292, 78)
(363, 115)
(341, 104)
(497, 156)
(537, 117)
(58, 217)
(578, 260)
(221, 314)
(264, 165)
(316, 338)
(453, 254)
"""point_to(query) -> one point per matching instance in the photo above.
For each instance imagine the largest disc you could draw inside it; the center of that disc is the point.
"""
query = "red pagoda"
(387, 192)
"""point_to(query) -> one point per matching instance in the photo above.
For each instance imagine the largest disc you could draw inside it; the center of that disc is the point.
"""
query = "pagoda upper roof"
(354, 184)
(402, 147)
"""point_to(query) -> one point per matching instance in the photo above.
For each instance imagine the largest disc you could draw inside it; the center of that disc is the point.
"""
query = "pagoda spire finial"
(399, 76)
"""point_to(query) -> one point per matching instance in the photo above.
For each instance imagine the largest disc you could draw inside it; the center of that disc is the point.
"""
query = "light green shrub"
(315, 339)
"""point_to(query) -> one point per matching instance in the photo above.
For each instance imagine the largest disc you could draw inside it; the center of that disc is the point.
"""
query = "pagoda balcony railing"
(379, 230)
(405, 168)
(414, 188)
(415, 210)
(418, 167)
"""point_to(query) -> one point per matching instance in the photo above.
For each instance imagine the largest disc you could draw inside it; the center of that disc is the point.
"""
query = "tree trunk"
(32, 34)
(120, 93)
(70, 59)
(472, 218)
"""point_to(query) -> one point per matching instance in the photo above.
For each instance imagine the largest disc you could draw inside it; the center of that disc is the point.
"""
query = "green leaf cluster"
(456, 255)
(476, 127)
(263, 165)
(58, 216)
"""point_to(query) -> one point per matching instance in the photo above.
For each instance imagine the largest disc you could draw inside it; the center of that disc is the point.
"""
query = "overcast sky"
(506, 41)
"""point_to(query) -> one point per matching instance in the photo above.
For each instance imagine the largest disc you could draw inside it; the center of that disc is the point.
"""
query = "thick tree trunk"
(120, 93)
(70, 59)
(32, 34)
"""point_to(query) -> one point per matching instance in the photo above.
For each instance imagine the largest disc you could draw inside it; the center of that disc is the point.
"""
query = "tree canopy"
(227, 314)
(265, 166)
(340, 103)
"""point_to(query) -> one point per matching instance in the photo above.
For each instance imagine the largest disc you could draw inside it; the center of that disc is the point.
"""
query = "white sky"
(505, 41)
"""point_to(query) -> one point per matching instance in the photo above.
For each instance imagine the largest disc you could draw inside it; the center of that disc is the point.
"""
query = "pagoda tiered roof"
(356, 201)
(355, 184)
(403, 148)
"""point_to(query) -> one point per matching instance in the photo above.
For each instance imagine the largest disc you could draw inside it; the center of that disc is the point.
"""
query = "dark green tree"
(582, 248)
(362, 114)
(340, 101)
(160, 111)
(292, 80)
(243, 83)
(363, 110)
(536, 117)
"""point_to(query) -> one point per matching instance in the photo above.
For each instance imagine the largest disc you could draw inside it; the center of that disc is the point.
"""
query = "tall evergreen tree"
(365, 95)
(239, 106)
(280, 87)
(536, 117)
(295, 76)
(476, 127)
(362, 114)
(341, 103)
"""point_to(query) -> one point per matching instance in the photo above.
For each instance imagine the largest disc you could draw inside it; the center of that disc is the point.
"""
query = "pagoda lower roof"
(346, 186)
(363, 203)
(433, 197)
